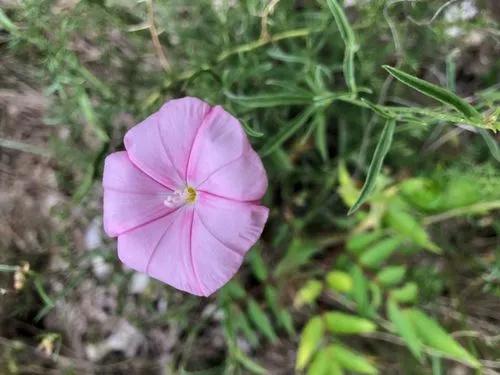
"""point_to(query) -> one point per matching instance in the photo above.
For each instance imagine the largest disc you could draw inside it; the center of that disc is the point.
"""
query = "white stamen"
(174, 199)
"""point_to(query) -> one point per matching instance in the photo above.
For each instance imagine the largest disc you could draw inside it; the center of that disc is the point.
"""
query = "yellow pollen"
(190, 194)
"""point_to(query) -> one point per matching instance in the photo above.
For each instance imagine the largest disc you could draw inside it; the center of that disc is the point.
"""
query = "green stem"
(461, 211)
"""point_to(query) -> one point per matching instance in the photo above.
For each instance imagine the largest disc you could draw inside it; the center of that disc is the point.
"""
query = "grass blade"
(383, 147)
(435, 92)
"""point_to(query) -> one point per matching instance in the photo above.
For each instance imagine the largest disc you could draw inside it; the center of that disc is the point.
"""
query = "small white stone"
(93, 235)
(138, 283)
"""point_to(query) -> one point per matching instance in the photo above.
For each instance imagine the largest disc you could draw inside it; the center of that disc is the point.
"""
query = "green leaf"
(286, 132)
(379, 252)
(404, 328)
(406, 294)
(351, 46)
(378, 109)
(381, 150)
(281, 314)
(249, 364)
(360, 290)
(241, 322)
(491, 143)
(261, 321)
(257, 264)
(310, 339)
(433, 335)
(234, 290)
(251, 131)
(320, 135)
(347, 189)
(435, 92)
(6, 23)
(339, 281)
(85, 184)
(405, 224)
(391, 275)
(89, 114)
(308, 293)
(340, 323)
(358, 243)
(350, 360)
(322, 364)
(299, 252)
(376, 296)
(286, 321)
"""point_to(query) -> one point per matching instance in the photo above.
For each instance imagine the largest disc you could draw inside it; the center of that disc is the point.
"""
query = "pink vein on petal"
(166, 149)
(116, 190)
(221, 167)
(161, 238)
(253, 201)
(217, 238)
(202, 289)
(203, 122)
(135, 164)
(147, 222)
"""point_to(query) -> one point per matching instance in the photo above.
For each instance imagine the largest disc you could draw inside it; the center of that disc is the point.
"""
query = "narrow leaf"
(320, 135)
(391, 275)
(406, 294)
(381, 150)
(435, 92)
(90, 118)
(360, 290)
(408, 226)
(6, 23)
(322, 364)
(358, 243)
(286, 131)
(261, 320)
(433, 335)
(309, 340)
(341, 323)
(308, 293)
(404, 328)
(491, 143)
(349, 39)
(272, 100)
(298, 253)
(379, 252)
(339, 281)
(351, 360)
(257, 264)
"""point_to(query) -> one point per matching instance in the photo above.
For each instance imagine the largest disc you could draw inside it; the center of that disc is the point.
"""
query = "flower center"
(190, 193)
(180, 197)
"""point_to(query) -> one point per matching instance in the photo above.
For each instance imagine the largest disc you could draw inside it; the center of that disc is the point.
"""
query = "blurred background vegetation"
(407, 283)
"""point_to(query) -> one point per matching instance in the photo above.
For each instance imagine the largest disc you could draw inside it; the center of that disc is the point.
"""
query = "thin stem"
(461, 211)
(154, 37)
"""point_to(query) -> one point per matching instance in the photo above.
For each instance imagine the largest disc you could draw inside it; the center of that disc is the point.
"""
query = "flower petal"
(199, 247)
(162, 249)
(219, 141)
(161, 144)
(223, 231)
(243, 179)
(131, 198)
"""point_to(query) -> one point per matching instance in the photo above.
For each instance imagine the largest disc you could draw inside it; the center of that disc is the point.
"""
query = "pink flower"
(183, 198)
